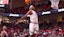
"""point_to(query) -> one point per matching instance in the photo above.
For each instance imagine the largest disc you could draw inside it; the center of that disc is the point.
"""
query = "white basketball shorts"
(33, 28)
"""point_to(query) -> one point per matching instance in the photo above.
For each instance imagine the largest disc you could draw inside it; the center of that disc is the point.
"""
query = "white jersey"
(34, 17)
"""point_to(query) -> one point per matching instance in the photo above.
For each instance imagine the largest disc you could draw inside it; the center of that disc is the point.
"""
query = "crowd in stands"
(46, 30)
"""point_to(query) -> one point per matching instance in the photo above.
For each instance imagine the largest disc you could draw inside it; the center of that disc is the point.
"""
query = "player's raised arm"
(28, 13)
(22, 18)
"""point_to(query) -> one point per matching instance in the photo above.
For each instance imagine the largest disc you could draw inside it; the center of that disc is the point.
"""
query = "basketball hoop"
(54, 4)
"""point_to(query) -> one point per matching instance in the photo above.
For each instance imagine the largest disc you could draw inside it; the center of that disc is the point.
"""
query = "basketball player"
(33, 26)
(4, 32)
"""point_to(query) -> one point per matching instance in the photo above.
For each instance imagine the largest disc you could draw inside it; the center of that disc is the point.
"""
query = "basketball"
(27, 2)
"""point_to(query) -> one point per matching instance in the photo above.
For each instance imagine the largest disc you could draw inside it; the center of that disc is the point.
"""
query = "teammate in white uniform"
(33, 26)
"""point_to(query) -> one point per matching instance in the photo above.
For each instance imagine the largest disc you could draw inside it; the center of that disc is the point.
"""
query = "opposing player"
(33, 26)
(4, 32)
